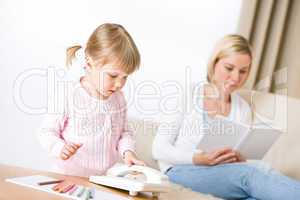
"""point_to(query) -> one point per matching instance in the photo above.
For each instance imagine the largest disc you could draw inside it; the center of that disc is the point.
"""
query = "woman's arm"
(163, 145)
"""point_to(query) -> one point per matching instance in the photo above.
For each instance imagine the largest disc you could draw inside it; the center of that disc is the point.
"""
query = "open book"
(253, 142)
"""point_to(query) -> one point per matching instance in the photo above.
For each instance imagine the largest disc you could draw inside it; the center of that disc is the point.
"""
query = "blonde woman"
(90, 131)
(223, 172)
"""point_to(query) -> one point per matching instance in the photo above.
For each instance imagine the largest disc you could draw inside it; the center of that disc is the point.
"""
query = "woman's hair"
(109, 43)
(227, 46)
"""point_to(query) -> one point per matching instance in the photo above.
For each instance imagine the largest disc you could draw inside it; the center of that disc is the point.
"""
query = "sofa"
(278, 110)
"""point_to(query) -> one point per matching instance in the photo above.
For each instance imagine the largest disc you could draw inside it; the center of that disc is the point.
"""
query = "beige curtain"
(273, 29)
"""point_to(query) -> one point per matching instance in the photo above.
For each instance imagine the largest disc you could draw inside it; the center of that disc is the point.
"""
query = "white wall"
(173, 37)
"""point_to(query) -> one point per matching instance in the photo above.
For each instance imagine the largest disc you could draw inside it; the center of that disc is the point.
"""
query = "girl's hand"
(69, 150)
(131, 159)
(220, 156)
(63, 186)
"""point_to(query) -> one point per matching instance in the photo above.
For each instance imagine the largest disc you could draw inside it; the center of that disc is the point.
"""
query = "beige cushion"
(144, 134)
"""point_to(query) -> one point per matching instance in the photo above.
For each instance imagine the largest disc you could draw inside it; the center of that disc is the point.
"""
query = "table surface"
(14, 191)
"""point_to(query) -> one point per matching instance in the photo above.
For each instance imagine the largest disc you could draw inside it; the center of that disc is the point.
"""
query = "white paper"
(32, 182)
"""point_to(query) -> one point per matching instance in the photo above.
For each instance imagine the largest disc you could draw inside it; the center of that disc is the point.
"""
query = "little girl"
(88, 135)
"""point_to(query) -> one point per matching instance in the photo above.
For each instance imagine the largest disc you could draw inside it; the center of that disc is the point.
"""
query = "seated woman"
(223, 172)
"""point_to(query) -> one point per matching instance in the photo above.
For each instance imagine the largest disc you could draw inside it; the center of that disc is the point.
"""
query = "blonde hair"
(227, 46)
(109, 43)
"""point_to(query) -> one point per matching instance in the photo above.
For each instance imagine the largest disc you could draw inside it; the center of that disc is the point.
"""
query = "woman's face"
(231, 72)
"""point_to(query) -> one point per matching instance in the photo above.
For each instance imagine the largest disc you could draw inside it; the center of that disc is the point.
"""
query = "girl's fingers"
(64, 156)
(58, 186)
(71, 148)
(139, 162)
(63, 187)
(128, 162)
(76, 146)
(67, 152)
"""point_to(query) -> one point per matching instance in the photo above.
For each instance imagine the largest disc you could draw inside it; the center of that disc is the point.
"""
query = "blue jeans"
(236, 181)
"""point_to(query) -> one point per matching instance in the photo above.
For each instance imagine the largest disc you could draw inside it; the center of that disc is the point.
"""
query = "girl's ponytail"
(70, 54)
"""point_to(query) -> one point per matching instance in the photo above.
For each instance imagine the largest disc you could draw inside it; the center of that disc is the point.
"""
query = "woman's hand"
(220, 156)
(240, 157)
(131, 159)
(69, 150)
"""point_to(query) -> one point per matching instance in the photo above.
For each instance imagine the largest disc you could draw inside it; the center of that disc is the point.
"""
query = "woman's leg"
(266, 183)
(236, 181)
(223, 181)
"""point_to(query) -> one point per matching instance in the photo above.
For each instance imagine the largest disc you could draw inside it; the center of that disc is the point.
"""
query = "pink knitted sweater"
(99, 125)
